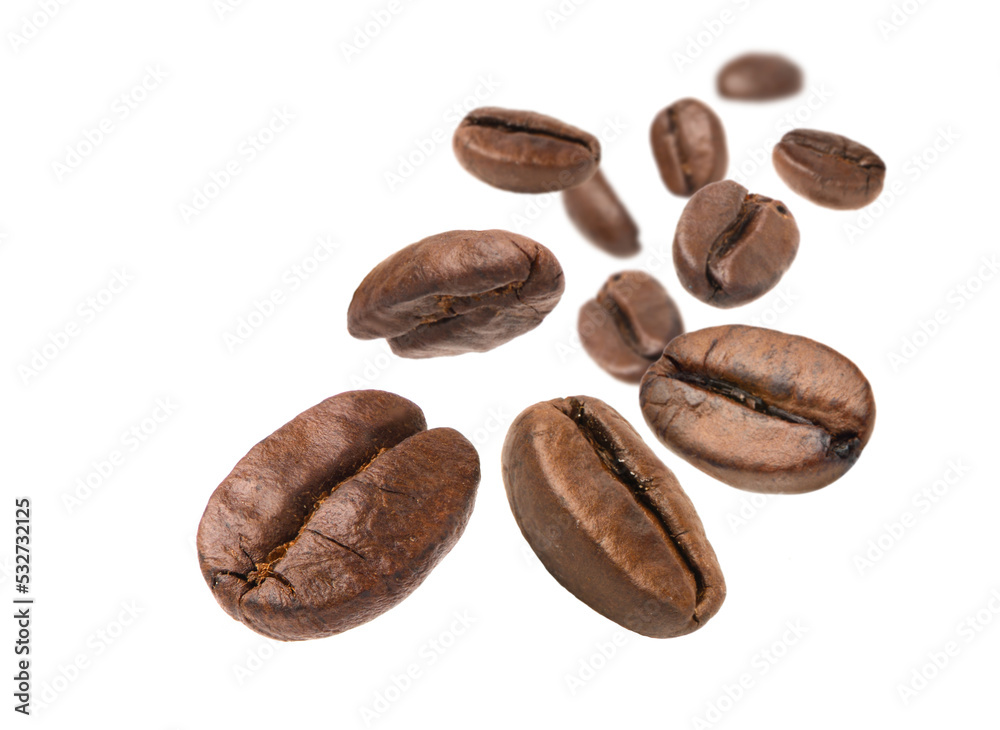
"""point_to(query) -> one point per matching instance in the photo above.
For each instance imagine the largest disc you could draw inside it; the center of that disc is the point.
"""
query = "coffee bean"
(732, 246)
(829, 169)
(525, 152)
(336, 517)
(456, 292)
(625, 328)
(758, 409)
(759, 77)
(689, 145)
(608, 520)
(600, 216)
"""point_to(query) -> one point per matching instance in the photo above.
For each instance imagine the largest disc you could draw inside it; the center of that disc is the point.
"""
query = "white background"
(899, 83)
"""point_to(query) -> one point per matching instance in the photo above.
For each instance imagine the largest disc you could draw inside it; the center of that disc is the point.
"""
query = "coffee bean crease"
(617, 464)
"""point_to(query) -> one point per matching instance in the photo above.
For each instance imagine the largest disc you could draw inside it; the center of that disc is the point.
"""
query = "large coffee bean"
(525, 152)
(457, 292)
(829, 169)
(608, 520)
(758, 409)
(336, 517)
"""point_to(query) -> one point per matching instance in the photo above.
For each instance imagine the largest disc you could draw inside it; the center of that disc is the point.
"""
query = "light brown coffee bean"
(525, 152)
(608, 519)
(733, 246)
(689, 145)
(600, 216)
(759, 77)
(336, 517)
(829, 169)
(759, 409)
(625, 328)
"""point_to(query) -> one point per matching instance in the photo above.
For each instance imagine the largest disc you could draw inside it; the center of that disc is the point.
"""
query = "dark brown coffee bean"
(759, 77)
(625, 328)
(608, 520)
(525, 152)
(600, 216)
(689, 145)
(336, 517)
(456, 292)
(732, 246)
(759, 409)
(828, 169)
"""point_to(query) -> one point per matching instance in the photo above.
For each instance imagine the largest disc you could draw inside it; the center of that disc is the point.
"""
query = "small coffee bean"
(689, 145)
(601, 217)
(732, 246)
(758, 409)
(829, 169)
(457, 292)
(336, 517)
(759, 77)
(525, 152)
(625, 328)
(608, 519)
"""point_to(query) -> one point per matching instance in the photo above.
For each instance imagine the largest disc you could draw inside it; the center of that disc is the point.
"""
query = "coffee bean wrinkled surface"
(336, 517)
(457, 292)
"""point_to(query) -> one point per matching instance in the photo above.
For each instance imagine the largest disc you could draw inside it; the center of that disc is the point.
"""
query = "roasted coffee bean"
(759, 77)
(608, 520)
(625, 328)
(731, 245)
(828, 169)
(456, 292)
(336, 517)
(689, 145)
(758, 409)
(600, 216)
(525, 152)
